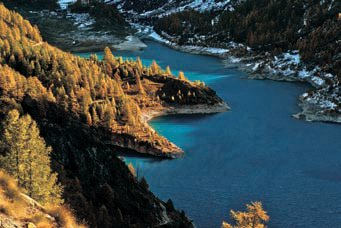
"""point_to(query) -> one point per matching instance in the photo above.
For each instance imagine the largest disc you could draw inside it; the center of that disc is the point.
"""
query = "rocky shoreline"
(314, 108)
(315, 104)
(215, 52)
(261, 66)
(132, 43)
(186, 109)
(312, 114)
(85, 40)
(125, 141)
(171, 151)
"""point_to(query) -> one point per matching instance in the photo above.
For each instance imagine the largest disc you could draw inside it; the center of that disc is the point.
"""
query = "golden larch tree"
(27, 158)
(254, 217)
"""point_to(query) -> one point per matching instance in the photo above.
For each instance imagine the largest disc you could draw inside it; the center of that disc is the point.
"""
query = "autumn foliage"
(26, 157)
(312, 27)
(254, 217)
(25, 212)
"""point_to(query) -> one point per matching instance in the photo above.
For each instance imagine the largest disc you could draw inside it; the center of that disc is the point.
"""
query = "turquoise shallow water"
(254, 152)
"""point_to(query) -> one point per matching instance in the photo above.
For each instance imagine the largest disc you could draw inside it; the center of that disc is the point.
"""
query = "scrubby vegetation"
(254, 217)
(19, 210)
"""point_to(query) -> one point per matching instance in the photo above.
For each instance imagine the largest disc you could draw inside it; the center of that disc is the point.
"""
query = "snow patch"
(317, 80)
(157, 37)
(65, 3)
(81, 20)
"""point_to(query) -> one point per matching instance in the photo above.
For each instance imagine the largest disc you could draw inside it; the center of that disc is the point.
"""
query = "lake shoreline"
(185, 110)
(310, 111)
(236, 154)
(171, 150)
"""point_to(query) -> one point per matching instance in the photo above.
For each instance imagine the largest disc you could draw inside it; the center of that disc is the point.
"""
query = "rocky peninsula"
(163, 94)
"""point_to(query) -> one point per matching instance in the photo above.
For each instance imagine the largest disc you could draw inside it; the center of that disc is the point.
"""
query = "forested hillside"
(278, 40)
(91, 90)
(311, 27)
(146, 9)
(76, 104)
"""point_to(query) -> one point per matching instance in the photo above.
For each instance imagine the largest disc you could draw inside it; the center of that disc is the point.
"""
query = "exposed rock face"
(125, 141)
(98, 185)
(169, 150)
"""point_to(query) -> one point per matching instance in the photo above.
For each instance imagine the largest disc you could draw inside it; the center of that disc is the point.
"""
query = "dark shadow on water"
(127, 153)
(181, 118)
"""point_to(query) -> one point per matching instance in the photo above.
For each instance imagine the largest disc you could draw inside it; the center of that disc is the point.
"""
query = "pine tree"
(88, 118)
(94, 115)
(27, 158)
(120, 60)
(181, 76)
(254, 216)
(127, 112)
(109, 57)
(155, 68)
(139, 64)
(139, 84)
(168, 71)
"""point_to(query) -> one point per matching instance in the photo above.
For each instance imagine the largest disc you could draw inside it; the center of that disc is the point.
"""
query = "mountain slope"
(76, 102)
(279, 40)
(19, 210)
(145, 9)
(103, 93)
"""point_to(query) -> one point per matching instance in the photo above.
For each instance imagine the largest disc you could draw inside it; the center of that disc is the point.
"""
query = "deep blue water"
(256, 152)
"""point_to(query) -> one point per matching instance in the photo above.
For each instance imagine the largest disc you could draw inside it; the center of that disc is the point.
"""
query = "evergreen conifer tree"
(139, 84)
(109, 57)
(181, 76)
(27, 158)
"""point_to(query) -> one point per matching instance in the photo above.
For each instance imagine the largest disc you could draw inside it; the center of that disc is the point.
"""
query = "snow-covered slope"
(146, 8)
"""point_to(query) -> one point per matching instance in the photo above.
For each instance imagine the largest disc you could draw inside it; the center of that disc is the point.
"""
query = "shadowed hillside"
(77, 103)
